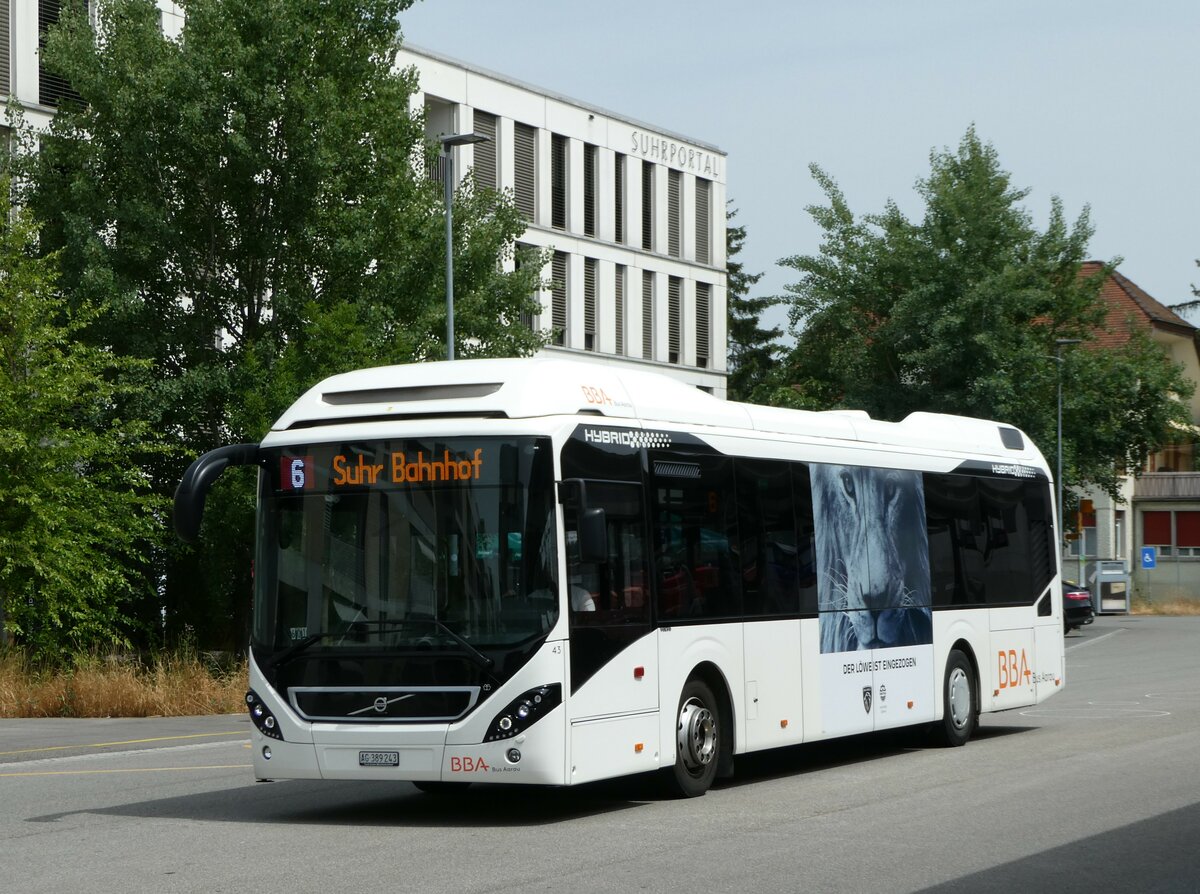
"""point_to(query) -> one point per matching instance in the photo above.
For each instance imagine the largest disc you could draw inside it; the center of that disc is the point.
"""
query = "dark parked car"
(1077, 606)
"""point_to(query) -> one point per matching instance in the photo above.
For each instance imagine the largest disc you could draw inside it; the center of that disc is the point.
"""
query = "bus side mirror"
(198, 479)
(593, 536)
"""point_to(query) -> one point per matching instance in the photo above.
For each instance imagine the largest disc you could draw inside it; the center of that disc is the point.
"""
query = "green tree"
(959, 313)
(753, 351)
(75, 510)
(246, 206)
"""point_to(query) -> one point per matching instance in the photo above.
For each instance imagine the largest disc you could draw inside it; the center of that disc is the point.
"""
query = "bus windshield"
(432, 544)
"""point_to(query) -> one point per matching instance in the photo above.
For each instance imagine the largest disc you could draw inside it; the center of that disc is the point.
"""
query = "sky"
(1093, 101)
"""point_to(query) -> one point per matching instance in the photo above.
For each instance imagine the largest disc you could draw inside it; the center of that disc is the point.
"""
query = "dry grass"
(1177, 606)
(171, 685)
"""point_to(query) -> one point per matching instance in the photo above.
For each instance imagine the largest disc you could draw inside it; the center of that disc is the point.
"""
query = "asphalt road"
(1095, 790)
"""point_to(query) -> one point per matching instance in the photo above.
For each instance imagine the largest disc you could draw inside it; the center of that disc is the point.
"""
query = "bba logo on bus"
(468, 765)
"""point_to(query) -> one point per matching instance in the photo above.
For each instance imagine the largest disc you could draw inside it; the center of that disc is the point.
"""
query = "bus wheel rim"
(697, 735)
(959, 691)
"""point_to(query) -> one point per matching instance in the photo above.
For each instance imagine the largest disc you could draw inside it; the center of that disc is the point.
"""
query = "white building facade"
(23, 24)
(634, 216)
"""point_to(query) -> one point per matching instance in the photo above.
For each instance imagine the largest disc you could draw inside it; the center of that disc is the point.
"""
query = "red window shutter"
(1156, 528)
(1187, 528)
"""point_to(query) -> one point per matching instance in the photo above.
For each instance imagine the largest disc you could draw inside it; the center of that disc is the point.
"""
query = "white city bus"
(555, 571)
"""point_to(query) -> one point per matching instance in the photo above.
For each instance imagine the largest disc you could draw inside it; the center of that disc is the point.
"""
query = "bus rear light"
(639, 672)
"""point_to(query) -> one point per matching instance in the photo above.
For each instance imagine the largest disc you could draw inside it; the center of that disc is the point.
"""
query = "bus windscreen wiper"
(482, 660)
(292, 651)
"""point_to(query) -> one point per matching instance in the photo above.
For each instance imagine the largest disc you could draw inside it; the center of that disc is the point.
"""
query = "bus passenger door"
(613, 706)
(779, 586)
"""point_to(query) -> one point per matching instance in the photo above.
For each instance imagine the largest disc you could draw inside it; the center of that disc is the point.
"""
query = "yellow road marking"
(126, 742)
(130, 770)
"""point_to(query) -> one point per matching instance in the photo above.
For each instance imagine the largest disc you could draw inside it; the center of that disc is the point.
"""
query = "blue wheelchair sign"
(1149, 557)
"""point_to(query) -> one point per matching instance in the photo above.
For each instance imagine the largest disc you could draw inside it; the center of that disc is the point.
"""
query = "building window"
(590, 156)
(1174, 458)
(647, 314)
(521, 250)
(1174, 533)
(5, 43)
(485, 153)
(674, 318)
(1083, 540)
(558, 298)
(52, 88)
(524, 169)
(674, 209)
(703, 216)
(619, 197)
(558, 182)
(703, 307)
(589, 304)
(619, 294)
(648, 205)
(1119, 534)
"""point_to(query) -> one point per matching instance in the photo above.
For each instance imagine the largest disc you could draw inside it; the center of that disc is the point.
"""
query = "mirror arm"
(199, 477)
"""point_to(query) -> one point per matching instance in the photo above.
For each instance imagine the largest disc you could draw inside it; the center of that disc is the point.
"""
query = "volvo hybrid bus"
(556, 571)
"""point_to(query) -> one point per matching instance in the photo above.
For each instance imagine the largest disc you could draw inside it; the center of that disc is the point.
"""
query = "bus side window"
(611, 592)
(695, 522)
(768, 542)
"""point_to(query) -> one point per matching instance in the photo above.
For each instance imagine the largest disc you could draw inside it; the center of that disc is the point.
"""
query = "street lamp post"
(1059, 343)
(448, 143)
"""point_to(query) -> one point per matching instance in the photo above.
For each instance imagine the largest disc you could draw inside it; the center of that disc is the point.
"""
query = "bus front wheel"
(960, 710)
(698, 731)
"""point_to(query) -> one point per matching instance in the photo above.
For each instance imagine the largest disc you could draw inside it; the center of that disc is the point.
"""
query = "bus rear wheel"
(960, 708)
(699, 729)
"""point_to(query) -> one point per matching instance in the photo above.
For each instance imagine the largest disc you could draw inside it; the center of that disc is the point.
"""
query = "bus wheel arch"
(703, 744)
(960, 697)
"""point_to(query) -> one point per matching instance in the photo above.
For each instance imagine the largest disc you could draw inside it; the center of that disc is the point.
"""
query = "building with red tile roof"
(1161, 506)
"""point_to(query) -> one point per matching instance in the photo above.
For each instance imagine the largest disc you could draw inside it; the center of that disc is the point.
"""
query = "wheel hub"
(959, 691)
(697, 735)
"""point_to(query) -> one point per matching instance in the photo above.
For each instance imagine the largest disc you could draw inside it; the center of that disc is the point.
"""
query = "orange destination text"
(406, 469)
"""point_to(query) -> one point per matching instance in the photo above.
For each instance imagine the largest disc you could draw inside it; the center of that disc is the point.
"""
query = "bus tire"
(437, 787)
(960, 708)
(699, 732)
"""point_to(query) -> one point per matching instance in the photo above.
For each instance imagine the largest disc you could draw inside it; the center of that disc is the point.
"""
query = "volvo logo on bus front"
(867, 699)
(381, 704)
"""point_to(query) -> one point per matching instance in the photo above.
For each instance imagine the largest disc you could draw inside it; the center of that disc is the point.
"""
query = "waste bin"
(1109, 582)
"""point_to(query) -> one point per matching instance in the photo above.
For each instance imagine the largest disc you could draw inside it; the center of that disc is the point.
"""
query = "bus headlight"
(523, 712)
(262, 717)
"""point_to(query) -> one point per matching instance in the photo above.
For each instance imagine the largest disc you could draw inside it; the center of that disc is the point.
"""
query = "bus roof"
(550, 386)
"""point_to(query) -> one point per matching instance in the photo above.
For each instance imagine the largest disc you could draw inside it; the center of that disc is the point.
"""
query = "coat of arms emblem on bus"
(872, 558)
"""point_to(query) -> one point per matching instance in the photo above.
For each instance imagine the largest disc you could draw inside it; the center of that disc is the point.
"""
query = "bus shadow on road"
(399, 804)
(372, 804)
(798, 760)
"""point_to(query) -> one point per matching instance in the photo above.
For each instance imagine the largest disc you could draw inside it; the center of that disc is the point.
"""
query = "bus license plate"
(379, 758)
